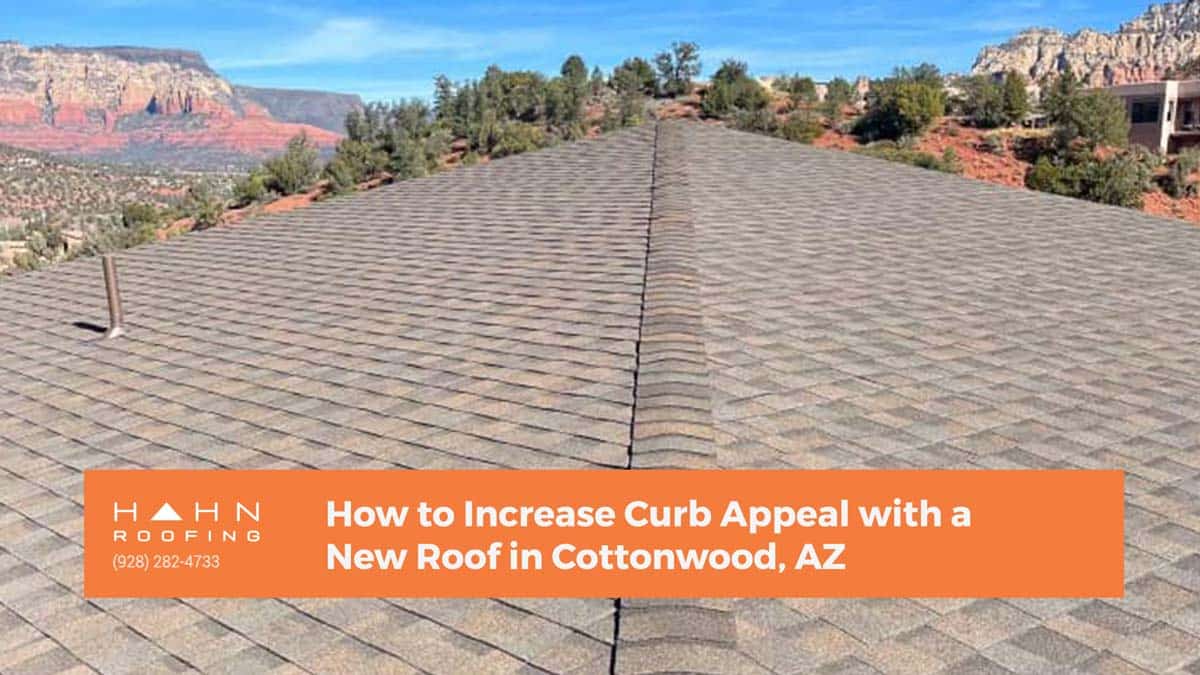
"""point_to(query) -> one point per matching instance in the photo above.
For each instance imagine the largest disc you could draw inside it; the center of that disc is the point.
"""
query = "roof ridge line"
(673, 416)
(672, 421)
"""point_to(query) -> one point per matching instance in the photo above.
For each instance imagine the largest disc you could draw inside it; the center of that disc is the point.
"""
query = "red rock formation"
(83, 101)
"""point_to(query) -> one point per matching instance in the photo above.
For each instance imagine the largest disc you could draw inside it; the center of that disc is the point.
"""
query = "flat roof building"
(1164, 116)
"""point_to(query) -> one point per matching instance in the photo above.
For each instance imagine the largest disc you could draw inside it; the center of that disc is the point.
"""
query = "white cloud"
(354, 39)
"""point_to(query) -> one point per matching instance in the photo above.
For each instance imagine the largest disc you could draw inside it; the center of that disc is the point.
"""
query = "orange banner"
(603, 533)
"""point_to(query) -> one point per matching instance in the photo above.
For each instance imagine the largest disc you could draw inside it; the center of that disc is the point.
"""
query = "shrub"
(760, 121)
(203, 206)
(894, 152)
(354, 162)
(800, 90)
(995, 144)
(517, 137)
(800, 128)
(731, 90)
(901, 107)
(137, 225)
(295, 170)
(1046, 176)
(1120, 180)
(1178, 180)
(140, 214)
(838, 94)
(250, 189)
(407, 159)
(45, 244)
(636, 73)
(950, 161)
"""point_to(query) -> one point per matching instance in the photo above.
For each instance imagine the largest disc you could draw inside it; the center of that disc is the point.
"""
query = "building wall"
(1145, 135)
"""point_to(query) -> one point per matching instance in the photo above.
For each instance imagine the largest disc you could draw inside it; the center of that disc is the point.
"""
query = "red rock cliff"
(108, 99)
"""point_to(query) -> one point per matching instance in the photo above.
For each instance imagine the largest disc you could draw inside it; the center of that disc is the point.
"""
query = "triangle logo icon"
(166, 512)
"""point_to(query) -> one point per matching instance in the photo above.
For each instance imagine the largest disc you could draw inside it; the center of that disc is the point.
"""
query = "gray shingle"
(783, 306)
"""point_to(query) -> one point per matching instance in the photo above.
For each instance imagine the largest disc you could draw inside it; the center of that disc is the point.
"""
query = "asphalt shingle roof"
(676, 295)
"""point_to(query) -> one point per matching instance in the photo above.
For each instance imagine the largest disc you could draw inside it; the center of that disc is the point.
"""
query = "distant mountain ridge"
(166, 105)
(322, 109)
(1149, 47)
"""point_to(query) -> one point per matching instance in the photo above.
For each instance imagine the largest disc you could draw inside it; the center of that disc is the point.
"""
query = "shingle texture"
(677, 295)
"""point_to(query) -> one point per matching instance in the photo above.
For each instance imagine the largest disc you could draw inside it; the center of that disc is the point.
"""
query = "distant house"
(1163, 116)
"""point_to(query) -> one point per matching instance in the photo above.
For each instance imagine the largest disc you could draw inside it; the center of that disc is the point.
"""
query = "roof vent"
(116, 316)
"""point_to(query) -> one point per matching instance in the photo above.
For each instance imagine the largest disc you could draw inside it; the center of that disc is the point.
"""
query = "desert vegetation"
(499, 114)
(915, 115)
(1086, 155)
(52, 209)
(919, 116)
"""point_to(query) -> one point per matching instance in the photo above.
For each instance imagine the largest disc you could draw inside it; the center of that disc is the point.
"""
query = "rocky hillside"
(130, 103)
(318, 108)
(1167, 36)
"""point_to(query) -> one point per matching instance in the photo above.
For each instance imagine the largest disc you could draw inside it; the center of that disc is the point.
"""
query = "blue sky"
(386, 50)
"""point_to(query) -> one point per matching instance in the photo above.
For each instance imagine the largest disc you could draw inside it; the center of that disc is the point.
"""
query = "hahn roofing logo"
(210, 523)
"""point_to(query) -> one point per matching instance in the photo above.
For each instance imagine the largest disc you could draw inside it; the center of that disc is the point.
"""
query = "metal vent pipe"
(116, 315)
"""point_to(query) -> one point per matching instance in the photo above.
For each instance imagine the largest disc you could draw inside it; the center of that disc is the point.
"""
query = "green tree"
(983, 102)
(630, 86)
(597, 82)
(296, 169)
(564, 97)
(677, 68)
(575, 71)
(1015, 97)
(1092, 117)
(925, 73)
(357, 125)
(905, 104)
(443, 98)
(563, 104)
(638, 72)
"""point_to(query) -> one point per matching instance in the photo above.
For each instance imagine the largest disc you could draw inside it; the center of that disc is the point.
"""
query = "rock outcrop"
(137, 103)
(1148, 48)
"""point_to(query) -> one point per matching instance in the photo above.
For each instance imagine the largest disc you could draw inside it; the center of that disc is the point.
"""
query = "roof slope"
(477, 319)
(782, 307)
